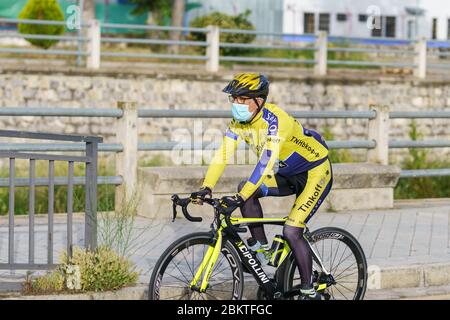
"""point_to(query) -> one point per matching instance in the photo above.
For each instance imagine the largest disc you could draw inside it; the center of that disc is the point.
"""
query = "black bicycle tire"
(354, 245)
(204, 236)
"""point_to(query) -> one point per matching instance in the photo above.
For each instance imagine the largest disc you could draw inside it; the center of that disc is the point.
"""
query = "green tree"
(42, 10)
(156, 9)
(88, 10)
(226, 21)
(160, 9)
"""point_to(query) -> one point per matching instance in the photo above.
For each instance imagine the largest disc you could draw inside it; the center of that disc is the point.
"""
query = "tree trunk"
(88, 10)
(177, 21)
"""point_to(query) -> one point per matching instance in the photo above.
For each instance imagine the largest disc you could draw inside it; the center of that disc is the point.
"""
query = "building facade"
(399, 19)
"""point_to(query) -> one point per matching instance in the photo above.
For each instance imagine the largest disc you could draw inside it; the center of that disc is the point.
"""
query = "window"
(387, 28)
(377, 32)
(308, 23)
(324, 22)
(362, 17)
(390, 27)
(434, 29)
(448, 29)
(341, 17)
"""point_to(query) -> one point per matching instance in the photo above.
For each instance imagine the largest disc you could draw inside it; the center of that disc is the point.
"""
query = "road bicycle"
(211, 265)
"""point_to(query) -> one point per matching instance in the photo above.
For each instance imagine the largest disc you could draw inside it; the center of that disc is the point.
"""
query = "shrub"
(225, 21)
(98, 270)
(42, 10)
(53, 282)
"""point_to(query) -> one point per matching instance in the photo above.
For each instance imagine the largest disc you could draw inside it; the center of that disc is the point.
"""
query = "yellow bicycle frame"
(212, 254)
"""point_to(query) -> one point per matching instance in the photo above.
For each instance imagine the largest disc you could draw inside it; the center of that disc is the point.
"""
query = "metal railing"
(417, 54)
(376, 143)
(90, 181)
(127, 146)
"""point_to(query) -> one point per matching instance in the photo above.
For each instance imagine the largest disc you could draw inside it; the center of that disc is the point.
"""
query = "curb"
(383, 283)
(130, 293)
(409, 276)
(424, 293)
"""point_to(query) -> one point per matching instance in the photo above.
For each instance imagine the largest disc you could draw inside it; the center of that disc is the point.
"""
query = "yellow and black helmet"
(251, 85)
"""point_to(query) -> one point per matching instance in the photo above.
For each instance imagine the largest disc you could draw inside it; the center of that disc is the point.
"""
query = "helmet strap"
(257, 110)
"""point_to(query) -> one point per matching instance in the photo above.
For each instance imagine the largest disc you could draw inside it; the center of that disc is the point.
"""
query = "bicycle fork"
(208, 262)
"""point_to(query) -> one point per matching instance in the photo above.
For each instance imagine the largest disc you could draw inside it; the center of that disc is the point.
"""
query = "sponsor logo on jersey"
(273, 128)
(312, 199)
(305, 145)
(274, 139)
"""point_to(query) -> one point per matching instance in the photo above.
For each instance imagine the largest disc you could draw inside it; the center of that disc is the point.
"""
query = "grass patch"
(336, 156)
(424, 187)
(21, 197)
(158, 160)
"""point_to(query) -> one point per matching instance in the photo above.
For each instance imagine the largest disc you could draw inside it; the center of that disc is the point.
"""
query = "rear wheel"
(342, 256)
(177, 266)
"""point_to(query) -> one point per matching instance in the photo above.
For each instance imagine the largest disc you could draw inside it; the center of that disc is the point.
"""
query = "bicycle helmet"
(251, 85)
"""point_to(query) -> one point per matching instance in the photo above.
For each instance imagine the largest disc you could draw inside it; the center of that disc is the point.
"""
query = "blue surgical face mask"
(240, 112)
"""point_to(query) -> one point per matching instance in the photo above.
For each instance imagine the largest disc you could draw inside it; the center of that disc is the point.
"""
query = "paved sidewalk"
(412, 235)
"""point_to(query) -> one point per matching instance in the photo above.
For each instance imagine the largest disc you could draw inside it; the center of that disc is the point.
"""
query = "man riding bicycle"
(292, 160)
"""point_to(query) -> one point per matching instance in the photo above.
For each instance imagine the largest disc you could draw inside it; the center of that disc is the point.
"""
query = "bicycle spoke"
(182, 281)
(322, 249)
(181, 272)
(217, 266)
(345, 260)
(331, 253)
(347, 275)
(337, 250)
(346, 269)
(213, 298)
(217, 272)
(193, 264)
(224, 281)
(332, 293)
(346, 288)
(178, 295)
(340, 260)
(173, 297)
(354, 282)
(210, 288)
(341, 293)
(187, 262)
(177, 287)
(176, 263)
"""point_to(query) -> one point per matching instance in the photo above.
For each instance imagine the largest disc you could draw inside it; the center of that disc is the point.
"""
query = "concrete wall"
(196, 89)
(355, 186)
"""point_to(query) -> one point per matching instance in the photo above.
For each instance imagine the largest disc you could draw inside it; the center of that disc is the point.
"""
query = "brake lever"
(175, 199)
(174, 212)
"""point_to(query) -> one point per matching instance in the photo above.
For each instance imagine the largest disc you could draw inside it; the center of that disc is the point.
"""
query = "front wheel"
(342, 256)
(178, 265)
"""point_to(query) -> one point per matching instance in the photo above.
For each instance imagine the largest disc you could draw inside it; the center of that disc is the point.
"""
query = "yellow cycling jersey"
(282, 144)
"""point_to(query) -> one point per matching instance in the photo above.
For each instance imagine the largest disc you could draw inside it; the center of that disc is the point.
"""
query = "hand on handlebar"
(231, 203)
(198, 196)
